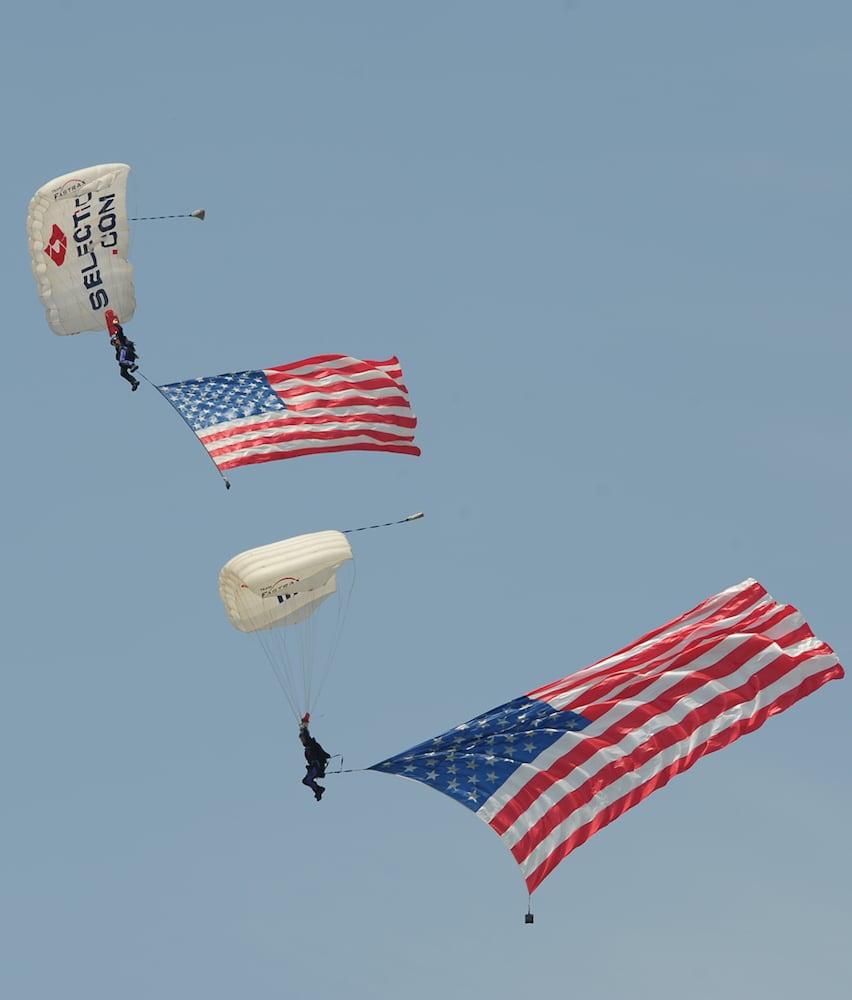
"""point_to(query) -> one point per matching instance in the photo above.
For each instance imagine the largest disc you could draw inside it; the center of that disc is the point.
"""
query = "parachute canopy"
(79, 238)
(275, 591)
(551, 768)
(283, 583)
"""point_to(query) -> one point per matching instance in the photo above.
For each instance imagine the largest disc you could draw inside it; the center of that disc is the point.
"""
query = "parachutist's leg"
(125, 374)
(310, 780)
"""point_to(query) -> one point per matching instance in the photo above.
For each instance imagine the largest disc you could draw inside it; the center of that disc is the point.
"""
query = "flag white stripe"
(282, 424)
(302, 444)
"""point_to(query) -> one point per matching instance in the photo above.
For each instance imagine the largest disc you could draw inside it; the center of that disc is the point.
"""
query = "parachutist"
(315, 756)
(125, 354)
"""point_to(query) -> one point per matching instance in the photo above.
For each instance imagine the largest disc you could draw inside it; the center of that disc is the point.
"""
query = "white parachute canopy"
(79, 239)
(275, 591)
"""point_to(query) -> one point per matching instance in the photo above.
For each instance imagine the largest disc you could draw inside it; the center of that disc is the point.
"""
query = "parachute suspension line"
(301, 658)
(183, 418)
(199, 213)
(288, 651)
(298, 669)
(336, 631)
(281, 673)
(387, 524)
(286, 668)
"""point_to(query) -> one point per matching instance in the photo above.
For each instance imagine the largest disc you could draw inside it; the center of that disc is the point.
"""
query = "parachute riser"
(339, 769)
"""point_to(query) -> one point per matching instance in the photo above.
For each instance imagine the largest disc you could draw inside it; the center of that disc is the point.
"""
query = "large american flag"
(327, 403)
(549, 769)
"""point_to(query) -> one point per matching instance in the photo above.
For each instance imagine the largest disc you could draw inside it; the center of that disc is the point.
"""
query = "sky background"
(610, 243)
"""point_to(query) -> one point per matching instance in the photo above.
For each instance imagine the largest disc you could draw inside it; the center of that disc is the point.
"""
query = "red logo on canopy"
(57, 246)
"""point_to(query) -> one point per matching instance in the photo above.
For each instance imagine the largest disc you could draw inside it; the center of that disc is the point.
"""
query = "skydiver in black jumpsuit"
(316, 758)
(125, 355)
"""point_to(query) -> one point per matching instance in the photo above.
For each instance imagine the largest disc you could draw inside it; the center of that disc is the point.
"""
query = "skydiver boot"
(318, 792)
(135, 385)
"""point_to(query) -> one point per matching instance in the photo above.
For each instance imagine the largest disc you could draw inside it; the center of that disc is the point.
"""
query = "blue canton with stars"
(205, 402)
(473, 760)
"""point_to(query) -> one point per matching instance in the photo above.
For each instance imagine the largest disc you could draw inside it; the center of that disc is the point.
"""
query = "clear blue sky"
(610, 243)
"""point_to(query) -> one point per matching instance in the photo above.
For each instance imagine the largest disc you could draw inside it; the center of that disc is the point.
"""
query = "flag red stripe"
(279, 441)
(317, 401)
(665, 639)
(324, 362)
(351, 423)
(275, 454)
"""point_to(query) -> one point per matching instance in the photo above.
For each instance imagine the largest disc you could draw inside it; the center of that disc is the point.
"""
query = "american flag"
(549, 769)
(327, 403)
